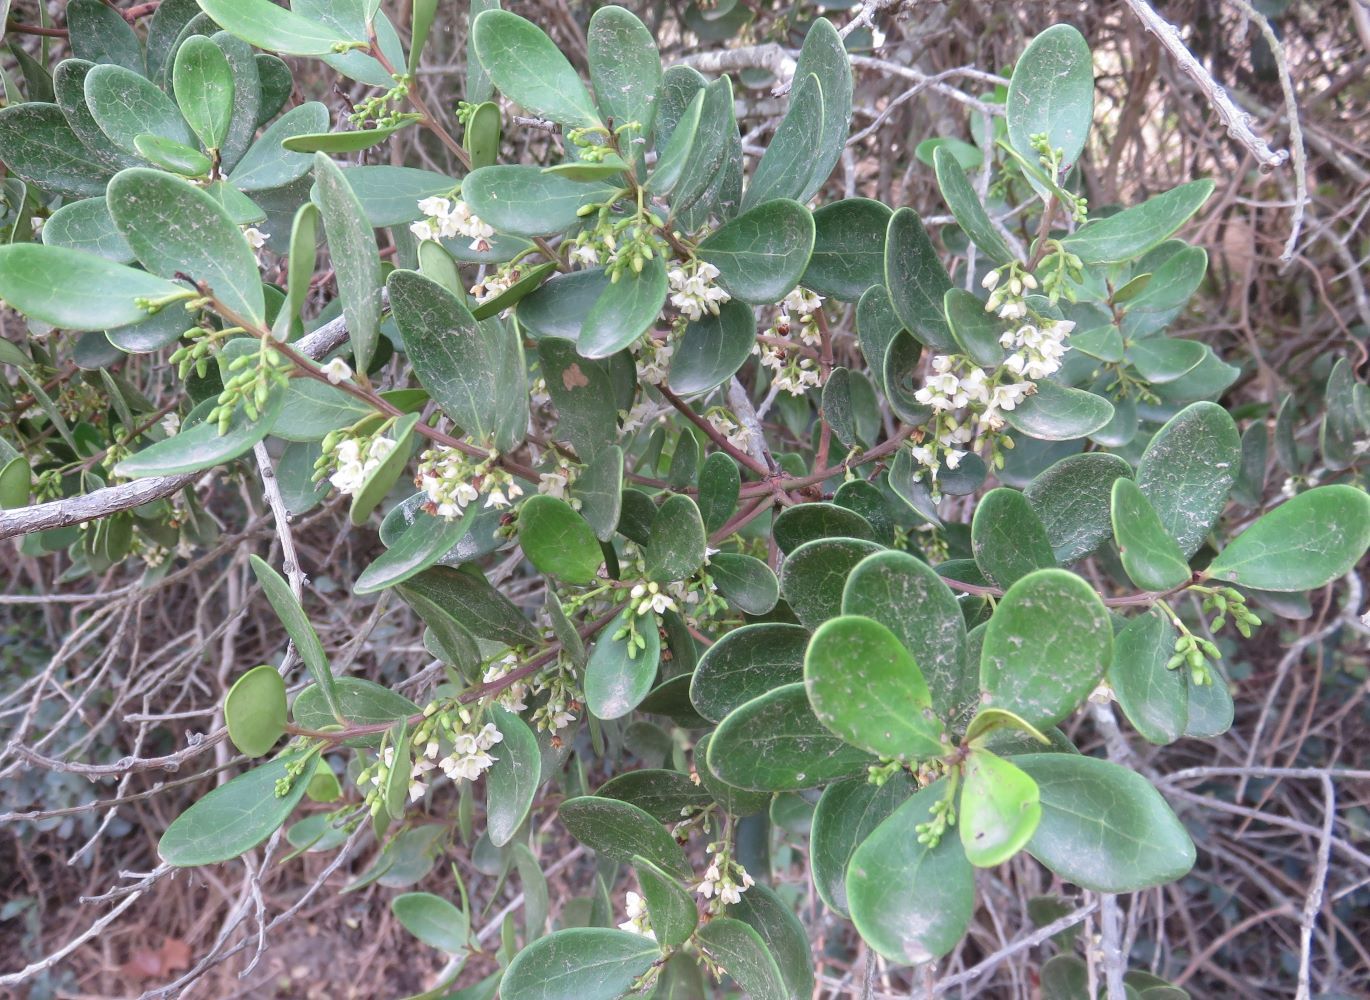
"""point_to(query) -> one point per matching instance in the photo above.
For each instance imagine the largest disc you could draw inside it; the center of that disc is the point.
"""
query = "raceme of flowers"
(454, 480)
(792, 371)
(354, 459)
(693, 288)
(447, 219)
(467, 756)
(638, 922)
(724, 880)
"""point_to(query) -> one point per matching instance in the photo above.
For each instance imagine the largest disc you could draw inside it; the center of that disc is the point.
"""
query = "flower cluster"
(511, 698)
(1037, 350)
(792, 371)
(734, 431)
(496, 283)
(724, 880)
(645, 597)
(638, 921)
(468, 756)
(445, 219)
(353, 458)
(557, 482)
(454, 480)
(693, 288)
(1008, 298)
(653, 359)
(563, 698)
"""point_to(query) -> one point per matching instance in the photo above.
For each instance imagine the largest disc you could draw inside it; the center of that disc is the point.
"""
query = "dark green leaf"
(911, 903)
(669, 904)
(1134, 231)
(37, 144)
(976, 331)
(1103, 826)
(741, 952)
(477, 606)
(712, 349)
(423, 543)
(624, 311)
(845, 816)
(234, 818)
(813, 575)
(600, 490)
(528, 68)
(619, 676)
(1304, 543)
(581, 963)
(433, 920)
(916, 279)
(776, 743)
(298, 627)
(203, 83)
(363, 703)
(675, 550)
(745, 582)
(513, 780)
(746, 663)
(356, 261)
(1052, 92)
(1154, 699)
(762, 254)
(620, 831)
(824, 55)
(1007, 539)
(92, 294)
(1073, 500)
(659, 793)
(785, 168)
(521, 200)
(1187, 472)
(865, 687)
(1046, 647)
(625, 70)
(268, 164)
(808, 521)
(1152, 559)
(966, 207)
(558, 541)
(1058, 413)
(100, 34)
(176, 228)
(126, 104)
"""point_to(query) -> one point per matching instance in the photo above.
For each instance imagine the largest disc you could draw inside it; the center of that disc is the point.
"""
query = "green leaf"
(741, 952)
(171, 155)
(845, 816)
(1000, 809)
(784, 936)
(433, 920)
(1073, 499)
(268, 164)
(916, 280)
(1058, 413)
(15, 480)
(531, 280)
(745, 663)
(813, 575)
(583, 392)
(247, 98)
(512, 782)
(1154, 699)
(617, 676)
(176, 228)
(1165, 359)
(126, 104)
(712, 349)
(675, 549)
(1007, 539)
(362, 703)
(299, 628)
(620, 831)
(1104, 827)
(600, 491)
(86, 225)
(528, 68)
(558, 309)
(1304, 543)
(455, 358)
(389, 195)
(849, 248)
(1188, 469)
(581, 963)
(966, 207)
(784, 169)
(1052, 91)
(807, 521)
(675, 154)
(521, 200)
(426, 541)
(203, 83)
(762, 254)
(670, 907)
(745, 582)
(93, 293)
(313, 408)
(659, 793)
(625, 310)
(200, 445)
(865, 687)
(100, 34)
(1152, 559)
(910, 599)
(1133, 231)
(911, 902)
(976, 331)
(558, 541)
(356, 261)
(625, 70)
(825, 56)
(709, 154)
(37, 144)
(235, 817)
(733, 800)
(775, 743)
(1046, 647)
(477, 606)
(877, 326)
(267, 26)
(255, 711)
(341, 142)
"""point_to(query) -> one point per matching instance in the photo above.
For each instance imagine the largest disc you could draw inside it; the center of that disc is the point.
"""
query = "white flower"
(511, 698)
(171, 423)
(446, 219)
(337, 371)
(354, 466)
(256, 239)
(693, 292)
(584, 254)
(638, 921)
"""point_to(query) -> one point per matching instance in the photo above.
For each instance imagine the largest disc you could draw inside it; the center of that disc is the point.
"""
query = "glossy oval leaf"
(1073, 500)
(620, 831)
(1000, 809)
(1154, 698)
(512, 781)
(1059, 413)
(255, 711)
(624, 311)
(1052, 91)
(580, 963)
(1133, 231)
(618, 676)
(762, 254)
(845, 816)
(676, 548)
(745, 663)
(916, 280)
(1188, 470)
(558, 541)
(93, 293)
(433, 920)
(275, 29)
(965, 205)
(530, 70)
(712, 349)
(202, 81)
(1007, 539)
(1151, 557)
